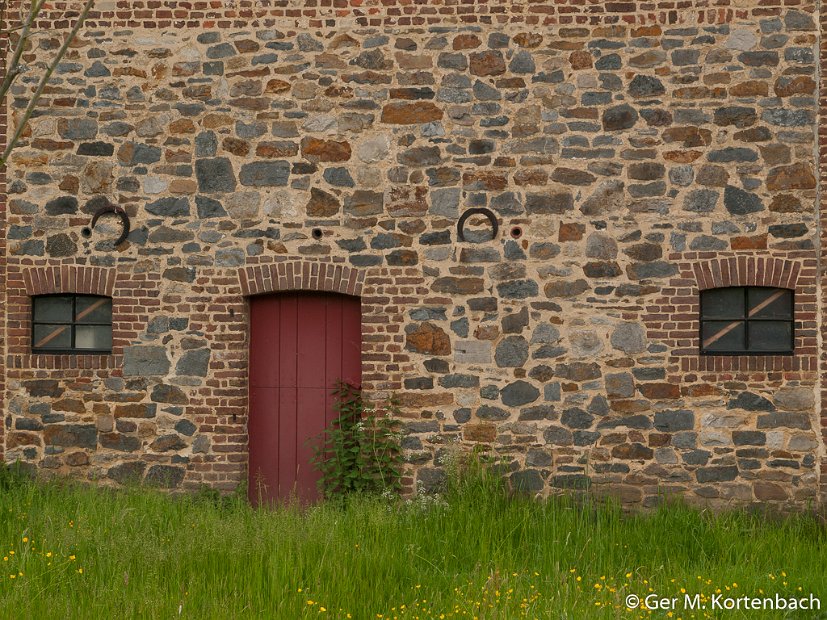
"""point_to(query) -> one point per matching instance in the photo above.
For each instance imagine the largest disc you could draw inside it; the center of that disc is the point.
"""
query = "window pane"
(98, 337)
(770, 303)
(93, 310)
(52, 337)
(52, 309)
(723, 303)
(770, 336)
(722, 336)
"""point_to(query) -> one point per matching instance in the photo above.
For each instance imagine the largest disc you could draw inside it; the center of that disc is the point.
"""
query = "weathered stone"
(674, 421)
(486, 63)
(264, 174)
(126, 473)
(629, 338)
(795, 399)
(427, 338)
(165, 476)
(316, 150)
(215, 175)
(193, 363)
(511, 352)
(633, 452)
(163, 393)
(169, 207)
(71, 435)
(794, 176)
(609, 196)
(619, 117)
(721, 473)
(750, 402)
(565, 289)
(145, 360)
(322, 204)
(527, 481)
(646, 86)
(519, 393)
(401, 113)
(547, 204)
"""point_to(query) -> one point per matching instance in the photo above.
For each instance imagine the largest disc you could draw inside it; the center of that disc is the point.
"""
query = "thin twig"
(45, 79)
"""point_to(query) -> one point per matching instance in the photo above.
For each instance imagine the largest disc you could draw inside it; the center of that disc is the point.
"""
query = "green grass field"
(69, 551)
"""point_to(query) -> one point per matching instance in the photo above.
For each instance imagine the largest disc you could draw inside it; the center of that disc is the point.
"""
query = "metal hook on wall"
(477, 211)
(120, 212)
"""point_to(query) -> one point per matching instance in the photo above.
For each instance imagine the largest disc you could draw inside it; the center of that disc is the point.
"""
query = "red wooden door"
(300, 345)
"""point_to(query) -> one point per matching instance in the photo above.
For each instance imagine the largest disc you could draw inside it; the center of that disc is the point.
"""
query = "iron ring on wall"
(477, 211)
(119, 211)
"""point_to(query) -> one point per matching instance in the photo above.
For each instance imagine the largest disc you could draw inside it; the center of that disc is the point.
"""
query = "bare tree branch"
(13, 69)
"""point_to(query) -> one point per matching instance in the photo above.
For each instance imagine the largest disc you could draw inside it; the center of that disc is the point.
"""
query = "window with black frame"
(71, 324)
(747, 320)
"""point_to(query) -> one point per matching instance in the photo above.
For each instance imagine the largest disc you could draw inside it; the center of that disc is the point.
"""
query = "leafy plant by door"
(359, 453)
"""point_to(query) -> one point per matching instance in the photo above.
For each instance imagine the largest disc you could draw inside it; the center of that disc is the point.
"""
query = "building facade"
(528, 201)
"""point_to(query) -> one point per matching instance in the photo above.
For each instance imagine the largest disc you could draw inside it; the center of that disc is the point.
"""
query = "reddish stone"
(277, 150)
(632, 452)
(690, 136)
(701, 389)
(466, 42)
(276, 86)
(660, 390)
(682, 157)
(528, 39)
(490, 62)
(45, 144)
(418, 400)
(427, 338)
(479, 432)
(571, 231)
(236, 146)
(77, 459)
(794, 176)
(769, 491)
(581, 60)
(799, 85)
(317, 150)
(322, 204)
(70, 184)
(17, 439)
(758, 242)
(785, 203)
(752, 88)
(181, 126)
(398, 113)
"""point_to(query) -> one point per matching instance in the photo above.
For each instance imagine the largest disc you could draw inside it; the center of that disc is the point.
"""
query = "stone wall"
(631, 161)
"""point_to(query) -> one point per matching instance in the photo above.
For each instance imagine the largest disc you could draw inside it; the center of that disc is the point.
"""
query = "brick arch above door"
(301, 275)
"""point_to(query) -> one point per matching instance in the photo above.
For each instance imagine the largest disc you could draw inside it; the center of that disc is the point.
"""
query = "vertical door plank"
(264, 346)
(288, 340)
(262, 428)
(311, 324)
(286, 439)
(311, 408)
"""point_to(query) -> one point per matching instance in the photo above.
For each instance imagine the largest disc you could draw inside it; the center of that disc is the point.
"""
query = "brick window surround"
(84, 280)
(674, 319)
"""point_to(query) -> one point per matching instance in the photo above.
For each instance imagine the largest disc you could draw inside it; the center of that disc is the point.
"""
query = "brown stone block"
(430, 399)
(701, 389)
(795, 176)
(276, 86)
(479, 432)
(682, 157)
(466, 42)
(658, 391)
(769, 491)
(427, 338)
(17, 439)
(753, 88)
(411, 113)
(758, 242)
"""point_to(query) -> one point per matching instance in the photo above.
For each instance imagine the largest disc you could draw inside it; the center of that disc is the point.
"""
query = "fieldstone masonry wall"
(633, 153)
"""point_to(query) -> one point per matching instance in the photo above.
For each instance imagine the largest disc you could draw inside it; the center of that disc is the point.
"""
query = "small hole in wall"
(232, 312)
(86, 232)
(234, 418)
(516, 232)
(317, 233)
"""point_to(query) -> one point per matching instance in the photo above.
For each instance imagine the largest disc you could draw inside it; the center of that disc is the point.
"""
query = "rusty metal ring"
(477, 211)
(119, 211)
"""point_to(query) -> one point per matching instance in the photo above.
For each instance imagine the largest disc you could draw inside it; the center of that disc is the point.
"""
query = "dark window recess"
(71, 324)
(747, 320)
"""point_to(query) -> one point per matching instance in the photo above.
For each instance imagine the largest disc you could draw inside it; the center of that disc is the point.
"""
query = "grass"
(71, 551)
